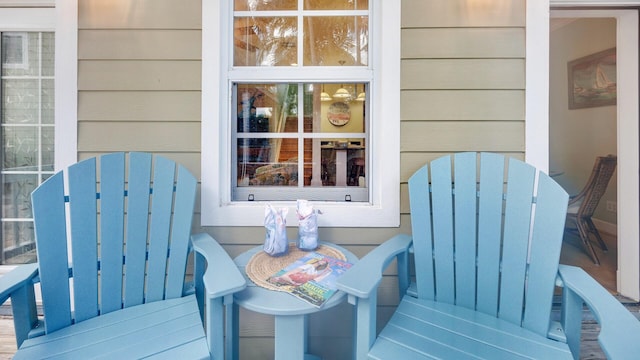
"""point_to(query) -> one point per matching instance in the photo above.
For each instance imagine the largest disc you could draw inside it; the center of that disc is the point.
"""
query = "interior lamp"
(342, 93)
(325, 96)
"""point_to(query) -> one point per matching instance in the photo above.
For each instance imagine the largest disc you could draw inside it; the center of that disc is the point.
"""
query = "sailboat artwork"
(592, 80)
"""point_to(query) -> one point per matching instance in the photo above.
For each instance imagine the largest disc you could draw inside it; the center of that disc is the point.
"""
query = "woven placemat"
(263, 265)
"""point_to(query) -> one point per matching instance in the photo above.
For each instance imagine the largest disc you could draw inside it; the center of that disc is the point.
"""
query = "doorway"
(577, 136)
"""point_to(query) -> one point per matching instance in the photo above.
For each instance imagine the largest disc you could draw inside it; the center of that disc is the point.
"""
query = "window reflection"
(265, 41)
(260, 5)
(278, 146)
(327, 40)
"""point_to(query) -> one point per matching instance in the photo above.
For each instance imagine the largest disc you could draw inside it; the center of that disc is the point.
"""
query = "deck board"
(589, 350)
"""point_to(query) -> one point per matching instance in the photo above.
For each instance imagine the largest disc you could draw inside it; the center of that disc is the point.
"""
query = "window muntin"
(287, 136)
(27, 136)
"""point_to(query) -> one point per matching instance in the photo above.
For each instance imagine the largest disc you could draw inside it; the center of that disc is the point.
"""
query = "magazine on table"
(311, 278)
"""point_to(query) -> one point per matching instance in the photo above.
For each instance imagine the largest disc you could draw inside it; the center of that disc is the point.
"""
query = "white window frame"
(61, 17)
(383, 208)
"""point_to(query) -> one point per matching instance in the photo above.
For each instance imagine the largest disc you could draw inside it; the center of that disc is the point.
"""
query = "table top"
(265, 301)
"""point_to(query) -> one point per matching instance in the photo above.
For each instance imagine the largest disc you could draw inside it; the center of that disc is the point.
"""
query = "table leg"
(291, 337)
(234, 349)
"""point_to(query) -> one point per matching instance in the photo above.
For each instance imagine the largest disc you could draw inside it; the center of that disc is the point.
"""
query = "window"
(27, 135)
(292, 109)
(38, 41)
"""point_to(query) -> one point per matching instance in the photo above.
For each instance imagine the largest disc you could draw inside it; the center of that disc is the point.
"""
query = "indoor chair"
(584, 204)
(113, 241)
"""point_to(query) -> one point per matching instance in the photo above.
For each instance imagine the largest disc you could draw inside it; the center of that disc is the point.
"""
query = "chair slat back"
(129, 234)
(82, 201)
(51, 239)
(111, 207)
(486, 241)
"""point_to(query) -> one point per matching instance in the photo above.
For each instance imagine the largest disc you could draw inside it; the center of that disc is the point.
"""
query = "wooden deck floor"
(590, 350)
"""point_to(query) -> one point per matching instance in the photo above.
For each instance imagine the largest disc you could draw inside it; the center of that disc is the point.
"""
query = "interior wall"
(578, 136)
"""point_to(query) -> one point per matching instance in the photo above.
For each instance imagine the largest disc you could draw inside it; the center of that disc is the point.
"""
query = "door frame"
(628, 227)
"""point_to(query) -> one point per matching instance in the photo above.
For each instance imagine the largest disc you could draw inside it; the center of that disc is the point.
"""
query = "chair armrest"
(363, 278)
(222, 276)
(19, 277)
(619, 329)
(18, 285)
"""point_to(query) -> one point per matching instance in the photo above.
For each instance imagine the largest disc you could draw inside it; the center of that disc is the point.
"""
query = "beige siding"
(139, 78)
(463, 43)
(455, 136)
(463, 13)
(137, 136)
(489, 105)
(462, 89)
(462, 80)
(139, 14)
(139, 44)
(139, 75)
(148, 105)
(480, 74)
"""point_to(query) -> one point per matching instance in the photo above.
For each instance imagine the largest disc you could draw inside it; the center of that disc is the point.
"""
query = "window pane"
(20, 54)
(265, 41)
(20, 101)
(258, 165)
(47, 99)
(18, 242)
(48, 50)
(336, 41)
(343, 162)
(20, 148)
(267, 108)
(336, 4)
(16, 195)
(341, 108)
(261, 5)
(47, 144)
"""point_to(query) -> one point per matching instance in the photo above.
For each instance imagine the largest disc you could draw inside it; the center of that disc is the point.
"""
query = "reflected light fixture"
(361, 96)
(342, 93)
(324, 96)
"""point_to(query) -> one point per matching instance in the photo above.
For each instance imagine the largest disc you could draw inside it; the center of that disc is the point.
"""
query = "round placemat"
(262, 265)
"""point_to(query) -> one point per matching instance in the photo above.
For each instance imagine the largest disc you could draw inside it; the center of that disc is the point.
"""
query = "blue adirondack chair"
(121, 293)
(486, 251)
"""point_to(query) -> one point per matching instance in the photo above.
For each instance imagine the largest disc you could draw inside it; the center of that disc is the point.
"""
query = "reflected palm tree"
(327, 40)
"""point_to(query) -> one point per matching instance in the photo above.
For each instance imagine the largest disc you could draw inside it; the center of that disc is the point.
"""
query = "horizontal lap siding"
(168, 105)
(480, 105)
(462, 81)
(139, 78)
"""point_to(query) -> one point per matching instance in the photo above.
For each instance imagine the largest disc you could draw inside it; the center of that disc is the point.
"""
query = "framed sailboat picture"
(592, 80)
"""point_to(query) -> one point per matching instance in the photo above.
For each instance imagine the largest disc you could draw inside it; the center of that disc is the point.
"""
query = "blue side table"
(290, 312)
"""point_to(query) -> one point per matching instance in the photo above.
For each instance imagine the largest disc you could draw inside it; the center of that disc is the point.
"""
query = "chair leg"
(583, 229)
(596, 233)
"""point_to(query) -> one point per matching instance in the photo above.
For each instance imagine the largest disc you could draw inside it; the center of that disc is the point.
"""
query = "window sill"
(333, 214)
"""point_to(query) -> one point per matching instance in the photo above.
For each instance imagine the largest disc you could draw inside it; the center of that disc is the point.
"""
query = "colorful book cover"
(311, 278)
